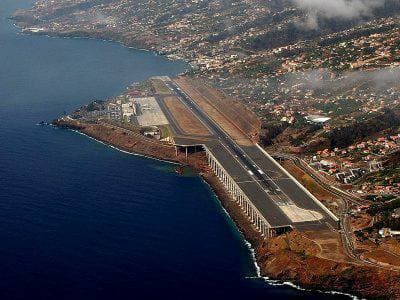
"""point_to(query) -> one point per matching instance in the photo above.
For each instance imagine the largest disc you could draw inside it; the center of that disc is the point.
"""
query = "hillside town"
(305, 84)
(349, 165)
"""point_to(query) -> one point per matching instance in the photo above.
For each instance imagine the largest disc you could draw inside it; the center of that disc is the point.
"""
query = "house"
(396, 213)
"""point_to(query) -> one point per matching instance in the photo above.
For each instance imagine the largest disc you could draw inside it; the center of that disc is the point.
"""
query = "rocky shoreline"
(25, 27)
(291, 257)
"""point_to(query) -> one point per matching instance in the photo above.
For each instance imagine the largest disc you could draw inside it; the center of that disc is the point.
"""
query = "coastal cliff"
(291, 257)
(132, 142)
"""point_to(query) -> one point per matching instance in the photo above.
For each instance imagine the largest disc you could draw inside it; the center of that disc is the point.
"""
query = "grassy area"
(307, 181)
(123, 124)
(384, 207)
(313, 187)
(387, 176)
(160, 88)
(165, 131)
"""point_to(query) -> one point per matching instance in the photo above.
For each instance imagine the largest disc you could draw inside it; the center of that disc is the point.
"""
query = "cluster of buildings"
(366, 151)
(350, 164)
(343, 98)
(345, 172)
(134, 108)
(376, 50)
(386, 185)
(121, 108)
(226, 37)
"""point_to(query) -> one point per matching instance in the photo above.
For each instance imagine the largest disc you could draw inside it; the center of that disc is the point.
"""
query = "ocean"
(81, 220)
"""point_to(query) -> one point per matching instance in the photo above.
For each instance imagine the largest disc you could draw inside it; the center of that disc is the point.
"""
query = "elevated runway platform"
(267, 193)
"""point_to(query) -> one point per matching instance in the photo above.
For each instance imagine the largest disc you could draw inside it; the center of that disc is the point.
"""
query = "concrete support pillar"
(236, 193)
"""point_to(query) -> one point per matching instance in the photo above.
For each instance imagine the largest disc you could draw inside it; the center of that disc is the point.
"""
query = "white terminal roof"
(318, 118)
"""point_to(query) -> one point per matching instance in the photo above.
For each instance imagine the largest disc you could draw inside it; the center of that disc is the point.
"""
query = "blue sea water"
(80, 220)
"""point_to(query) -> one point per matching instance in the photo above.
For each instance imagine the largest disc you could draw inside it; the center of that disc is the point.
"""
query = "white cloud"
(330, 9)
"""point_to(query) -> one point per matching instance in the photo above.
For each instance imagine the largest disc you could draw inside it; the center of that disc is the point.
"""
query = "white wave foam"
(253, 258)
(274, 282)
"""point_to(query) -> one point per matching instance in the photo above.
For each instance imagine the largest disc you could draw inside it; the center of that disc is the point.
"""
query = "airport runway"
(273, 192)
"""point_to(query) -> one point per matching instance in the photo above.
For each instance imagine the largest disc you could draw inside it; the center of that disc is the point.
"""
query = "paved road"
(347, 199)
